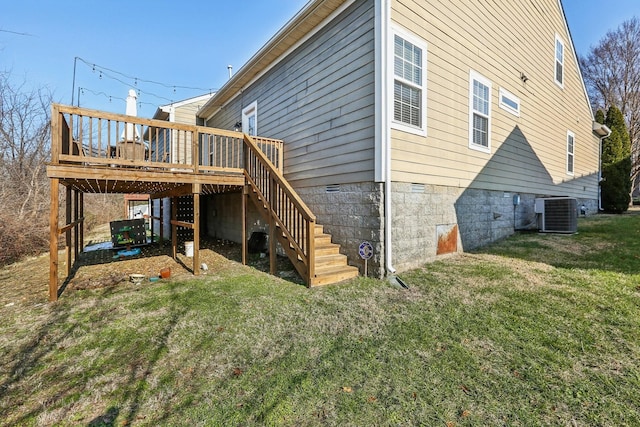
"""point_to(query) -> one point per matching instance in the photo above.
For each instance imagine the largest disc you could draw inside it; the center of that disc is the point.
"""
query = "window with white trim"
(509, 102)
(250, 119)
(559, 62)
(479, 112)
(571, 141)
(409, 83)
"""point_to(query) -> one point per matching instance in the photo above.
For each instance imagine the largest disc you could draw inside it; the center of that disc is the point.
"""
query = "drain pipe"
(603, 132)
(387, 215)
(383, 13)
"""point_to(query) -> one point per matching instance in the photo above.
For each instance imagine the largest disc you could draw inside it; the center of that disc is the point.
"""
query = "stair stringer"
(329, 274)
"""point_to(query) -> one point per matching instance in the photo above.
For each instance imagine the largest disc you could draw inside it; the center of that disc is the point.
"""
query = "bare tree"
(24, 149)
(611, 72)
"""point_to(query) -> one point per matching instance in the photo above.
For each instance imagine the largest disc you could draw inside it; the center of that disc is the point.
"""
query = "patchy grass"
(535, 330)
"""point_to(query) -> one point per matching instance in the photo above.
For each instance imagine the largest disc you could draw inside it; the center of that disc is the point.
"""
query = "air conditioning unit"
(557, 214)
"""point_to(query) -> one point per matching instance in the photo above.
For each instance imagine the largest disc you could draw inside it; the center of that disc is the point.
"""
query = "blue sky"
(173, 44)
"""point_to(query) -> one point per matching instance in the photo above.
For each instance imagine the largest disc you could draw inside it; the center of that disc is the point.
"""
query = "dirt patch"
(27, 282)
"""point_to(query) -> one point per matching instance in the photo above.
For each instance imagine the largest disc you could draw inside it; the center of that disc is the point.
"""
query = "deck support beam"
(174, 227)
(54, 203)
(273, 260)
(81, 222)
(196, 229)
(76, 227)
(67, 234)
(245, 196)
(161, 222)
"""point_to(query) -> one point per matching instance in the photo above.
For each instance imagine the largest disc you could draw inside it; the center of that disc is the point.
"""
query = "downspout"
(388, 240)
(383, 133)
(603, 132)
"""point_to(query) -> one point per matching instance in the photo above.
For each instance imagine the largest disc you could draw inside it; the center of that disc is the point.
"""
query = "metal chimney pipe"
(230, 68)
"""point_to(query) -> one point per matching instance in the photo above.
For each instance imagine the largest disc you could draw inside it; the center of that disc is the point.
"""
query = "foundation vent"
(333, 188)
(417, 188)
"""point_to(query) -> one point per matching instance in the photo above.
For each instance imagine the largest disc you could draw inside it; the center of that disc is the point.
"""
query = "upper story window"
(559, 62)
(571, 138)
(409, 83)
(479, 112)
(250, 119)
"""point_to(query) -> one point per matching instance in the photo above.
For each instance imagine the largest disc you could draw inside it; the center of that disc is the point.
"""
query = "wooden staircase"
(292, 224)
(331, 265)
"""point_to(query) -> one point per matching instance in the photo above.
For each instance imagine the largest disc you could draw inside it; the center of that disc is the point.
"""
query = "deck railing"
(98, 138)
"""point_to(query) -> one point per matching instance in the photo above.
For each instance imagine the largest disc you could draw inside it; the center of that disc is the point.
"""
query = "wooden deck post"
(161, 222)
(67, 236)
(196, 229)
(311, 251)
(273, 261)
(81, 222)
(174, 228)
(245, 195)
(76, 227)
(53, 239)
(151, 219)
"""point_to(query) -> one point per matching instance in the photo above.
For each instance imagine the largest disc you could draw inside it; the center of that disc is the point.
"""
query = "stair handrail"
(276, 177)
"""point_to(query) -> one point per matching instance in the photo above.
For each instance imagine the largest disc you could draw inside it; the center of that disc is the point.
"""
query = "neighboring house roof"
(294, 31)
(163, 112)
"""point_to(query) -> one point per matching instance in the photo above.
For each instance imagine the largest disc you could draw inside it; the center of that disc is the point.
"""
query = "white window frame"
(473, 77)
(511, 97)
(571, 153)
(247, 112)
(421, 44)
(557, 62)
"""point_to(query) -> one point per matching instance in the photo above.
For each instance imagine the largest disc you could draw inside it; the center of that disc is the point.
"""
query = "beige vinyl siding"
(499, 40)
(187, 113)
(320, 101)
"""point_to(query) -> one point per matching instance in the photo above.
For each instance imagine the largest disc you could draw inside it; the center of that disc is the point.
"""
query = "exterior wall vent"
(333, 188)
(557, 214)
(417, 188)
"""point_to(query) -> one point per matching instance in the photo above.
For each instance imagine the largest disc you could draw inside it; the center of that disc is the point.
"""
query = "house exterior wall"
(527, 152)
(471, 189)
(320, 101)
(224, 217)
(352, 214)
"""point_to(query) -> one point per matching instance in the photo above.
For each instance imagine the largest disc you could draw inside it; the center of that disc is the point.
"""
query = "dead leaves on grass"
(109, 280)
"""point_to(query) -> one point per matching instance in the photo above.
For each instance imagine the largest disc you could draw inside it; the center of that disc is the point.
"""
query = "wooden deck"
(98, 152)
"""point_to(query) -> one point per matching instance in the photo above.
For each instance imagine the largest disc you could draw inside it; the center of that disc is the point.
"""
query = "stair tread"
(336, 260)
(323, 271)
(329, 277)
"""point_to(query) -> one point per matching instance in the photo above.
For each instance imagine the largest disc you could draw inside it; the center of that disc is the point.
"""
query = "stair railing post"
(311, 255)
(272, 225)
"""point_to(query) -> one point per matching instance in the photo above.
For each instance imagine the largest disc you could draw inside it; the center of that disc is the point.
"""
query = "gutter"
(602, 131)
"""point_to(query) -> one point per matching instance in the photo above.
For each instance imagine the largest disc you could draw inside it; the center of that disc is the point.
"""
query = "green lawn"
(535, 330)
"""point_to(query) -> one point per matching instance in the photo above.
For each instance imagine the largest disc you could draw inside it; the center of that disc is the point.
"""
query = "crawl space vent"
(333, 188)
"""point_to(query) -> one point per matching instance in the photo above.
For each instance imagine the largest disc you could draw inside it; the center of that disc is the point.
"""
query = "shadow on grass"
(44, 382)
(106, 420)
(33, 358)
